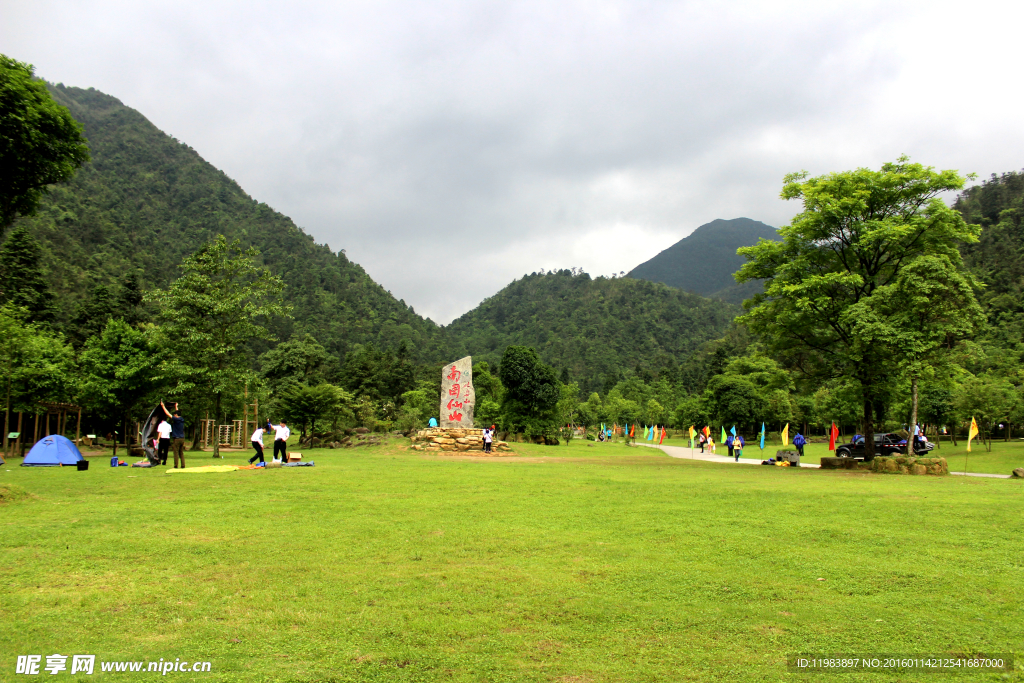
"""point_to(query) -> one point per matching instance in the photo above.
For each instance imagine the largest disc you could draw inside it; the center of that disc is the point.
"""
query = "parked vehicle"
(885, 444)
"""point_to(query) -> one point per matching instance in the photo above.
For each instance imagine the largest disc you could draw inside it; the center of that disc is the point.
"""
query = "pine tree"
(22, 281)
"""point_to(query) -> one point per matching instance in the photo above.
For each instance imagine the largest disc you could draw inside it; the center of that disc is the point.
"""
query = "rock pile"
(455, 439)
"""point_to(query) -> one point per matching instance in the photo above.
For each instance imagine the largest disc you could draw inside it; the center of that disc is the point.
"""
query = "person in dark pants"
(257, 444)
(281, 435)
(729, 440)
(488, 438)
(164, 445)
(177, 434)
(737, 446)
(702, 440)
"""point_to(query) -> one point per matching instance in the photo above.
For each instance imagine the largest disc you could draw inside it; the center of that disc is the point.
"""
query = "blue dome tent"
(51, 451)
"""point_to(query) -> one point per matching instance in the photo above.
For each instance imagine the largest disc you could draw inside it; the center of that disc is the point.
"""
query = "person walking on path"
(737, 446)
(164, 430)
(257, 444)
(702, 440)
(729, 442)
(799, 441)
(281, 435)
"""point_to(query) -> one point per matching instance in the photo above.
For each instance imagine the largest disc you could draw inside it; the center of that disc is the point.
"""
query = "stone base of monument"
(439, 439)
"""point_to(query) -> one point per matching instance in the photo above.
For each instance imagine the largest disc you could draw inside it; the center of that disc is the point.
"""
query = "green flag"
(723, 435)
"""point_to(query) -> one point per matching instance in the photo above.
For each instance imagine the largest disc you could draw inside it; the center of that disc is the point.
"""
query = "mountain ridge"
(704, 261)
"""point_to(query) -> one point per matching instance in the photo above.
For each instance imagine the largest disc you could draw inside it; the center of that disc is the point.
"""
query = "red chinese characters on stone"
(452, 403)
(454, 375)
(455, 417)
(454, 391)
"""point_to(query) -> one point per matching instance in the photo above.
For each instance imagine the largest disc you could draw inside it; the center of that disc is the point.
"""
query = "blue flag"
(762, 436)
(733, 430)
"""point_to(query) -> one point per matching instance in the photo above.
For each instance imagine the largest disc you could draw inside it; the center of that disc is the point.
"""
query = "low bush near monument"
(592, 562)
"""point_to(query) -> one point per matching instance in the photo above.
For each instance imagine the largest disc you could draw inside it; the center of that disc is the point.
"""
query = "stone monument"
(457, 395)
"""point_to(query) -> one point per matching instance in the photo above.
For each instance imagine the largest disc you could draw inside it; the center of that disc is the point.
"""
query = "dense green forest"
(703, 262)
(146, 201)
(598, 330)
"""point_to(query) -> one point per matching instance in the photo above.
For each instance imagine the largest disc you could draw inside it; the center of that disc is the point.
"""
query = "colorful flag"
(632, 430)
(722, 440)
(692, 435)
(971, 434)
(762, 436)
(733, 430)
(707, 431)
(832, 436)
(785, 435)
(662, 436)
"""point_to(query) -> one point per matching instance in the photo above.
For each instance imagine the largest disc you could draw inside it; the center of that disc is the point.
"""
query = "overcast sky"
(450, 147)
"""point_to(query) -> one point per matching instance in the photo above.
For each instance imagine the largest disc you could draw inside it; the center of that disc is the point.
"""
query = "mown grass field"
(593, 562)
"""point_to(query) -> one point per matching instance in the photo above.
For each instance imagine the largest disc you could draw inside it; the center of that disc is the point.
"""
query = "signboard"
(13, 435)
(457, 395)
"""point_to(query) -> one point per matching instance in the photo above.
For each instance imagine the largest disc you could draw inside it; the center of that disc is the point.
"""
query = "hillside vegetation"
(596, 329)
(146, 201)
(703, 262)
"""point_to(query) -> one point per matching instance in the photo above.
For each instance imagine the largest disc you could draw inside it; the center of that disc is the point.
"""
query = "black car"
(885, 444)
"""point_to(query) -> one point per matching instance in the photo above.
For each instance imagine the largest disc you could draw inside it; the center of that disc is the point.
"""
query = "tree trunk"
(869, 429)
(913, 408)
(216, 432)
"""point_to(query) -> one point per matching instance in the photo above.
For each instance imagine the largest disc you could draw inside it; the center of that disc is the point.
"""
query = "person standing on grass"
(257, 444)
(729, 442)
(799, 442)
(281, 435)
(164, 430)
(737, 446)
(177, 434)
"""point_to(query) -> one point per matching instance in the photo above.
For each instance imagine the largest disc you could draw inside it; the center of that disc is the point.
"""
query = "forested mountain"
(597, 330)
(997, 261)
(704, 261)
(146, 201)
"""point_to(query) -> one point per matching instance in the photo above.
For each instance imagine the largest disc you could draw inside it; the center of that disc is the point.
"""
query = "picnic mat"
(203, 470)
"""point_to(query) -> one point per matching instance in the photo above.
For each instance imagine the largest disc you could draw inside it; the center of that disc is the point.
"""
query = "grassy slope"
(598, 564)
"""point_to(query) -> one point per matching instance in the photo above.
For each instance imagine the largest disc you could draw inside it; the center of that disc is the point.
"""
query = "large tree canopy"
(40, 143)
(859, 242)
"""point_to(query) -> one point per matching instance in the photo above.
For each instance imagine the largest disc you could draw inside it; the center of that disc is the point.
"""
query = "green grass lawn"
(592, 562)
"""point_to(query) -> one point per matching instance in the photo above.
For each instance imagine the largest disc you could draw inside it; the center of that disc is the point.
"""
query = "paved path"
(684, 453)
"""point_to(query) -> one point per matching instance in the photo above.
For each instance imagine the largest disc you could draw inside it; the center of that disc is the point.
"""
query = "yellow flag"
(971, 434)
(693, 432)
(785, 435)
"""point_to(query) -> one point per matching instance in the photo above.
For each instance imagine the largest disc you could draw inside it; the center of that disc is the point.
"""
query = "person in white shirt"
(164, 447)
(257, 444)
(281, 435)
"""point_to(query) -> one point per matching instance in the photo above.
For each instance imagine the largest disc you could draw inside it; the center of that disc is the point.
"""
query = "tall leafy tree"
(119, 367)
(40, 143)
(859, 231)
(23, 283)
(530, 402)
(221, 303)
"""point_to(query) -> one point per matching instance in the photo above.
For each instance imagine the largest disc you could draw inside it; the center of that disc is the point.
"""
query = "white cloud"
(538, 135)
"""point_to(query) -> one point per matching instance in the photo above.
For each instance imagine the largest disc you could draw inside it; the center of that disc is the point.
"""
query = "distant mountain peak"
(704, 261)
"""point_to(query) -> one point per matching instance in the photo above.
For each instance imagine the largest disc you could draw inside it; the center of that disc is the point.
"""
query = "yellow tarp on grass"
(207, 468)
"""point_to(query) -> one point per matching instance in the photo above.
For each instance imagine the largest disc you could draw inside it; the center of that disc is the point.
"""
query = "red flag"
(662, 436)
(632, 430)
(707, 431)
(832, 436)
